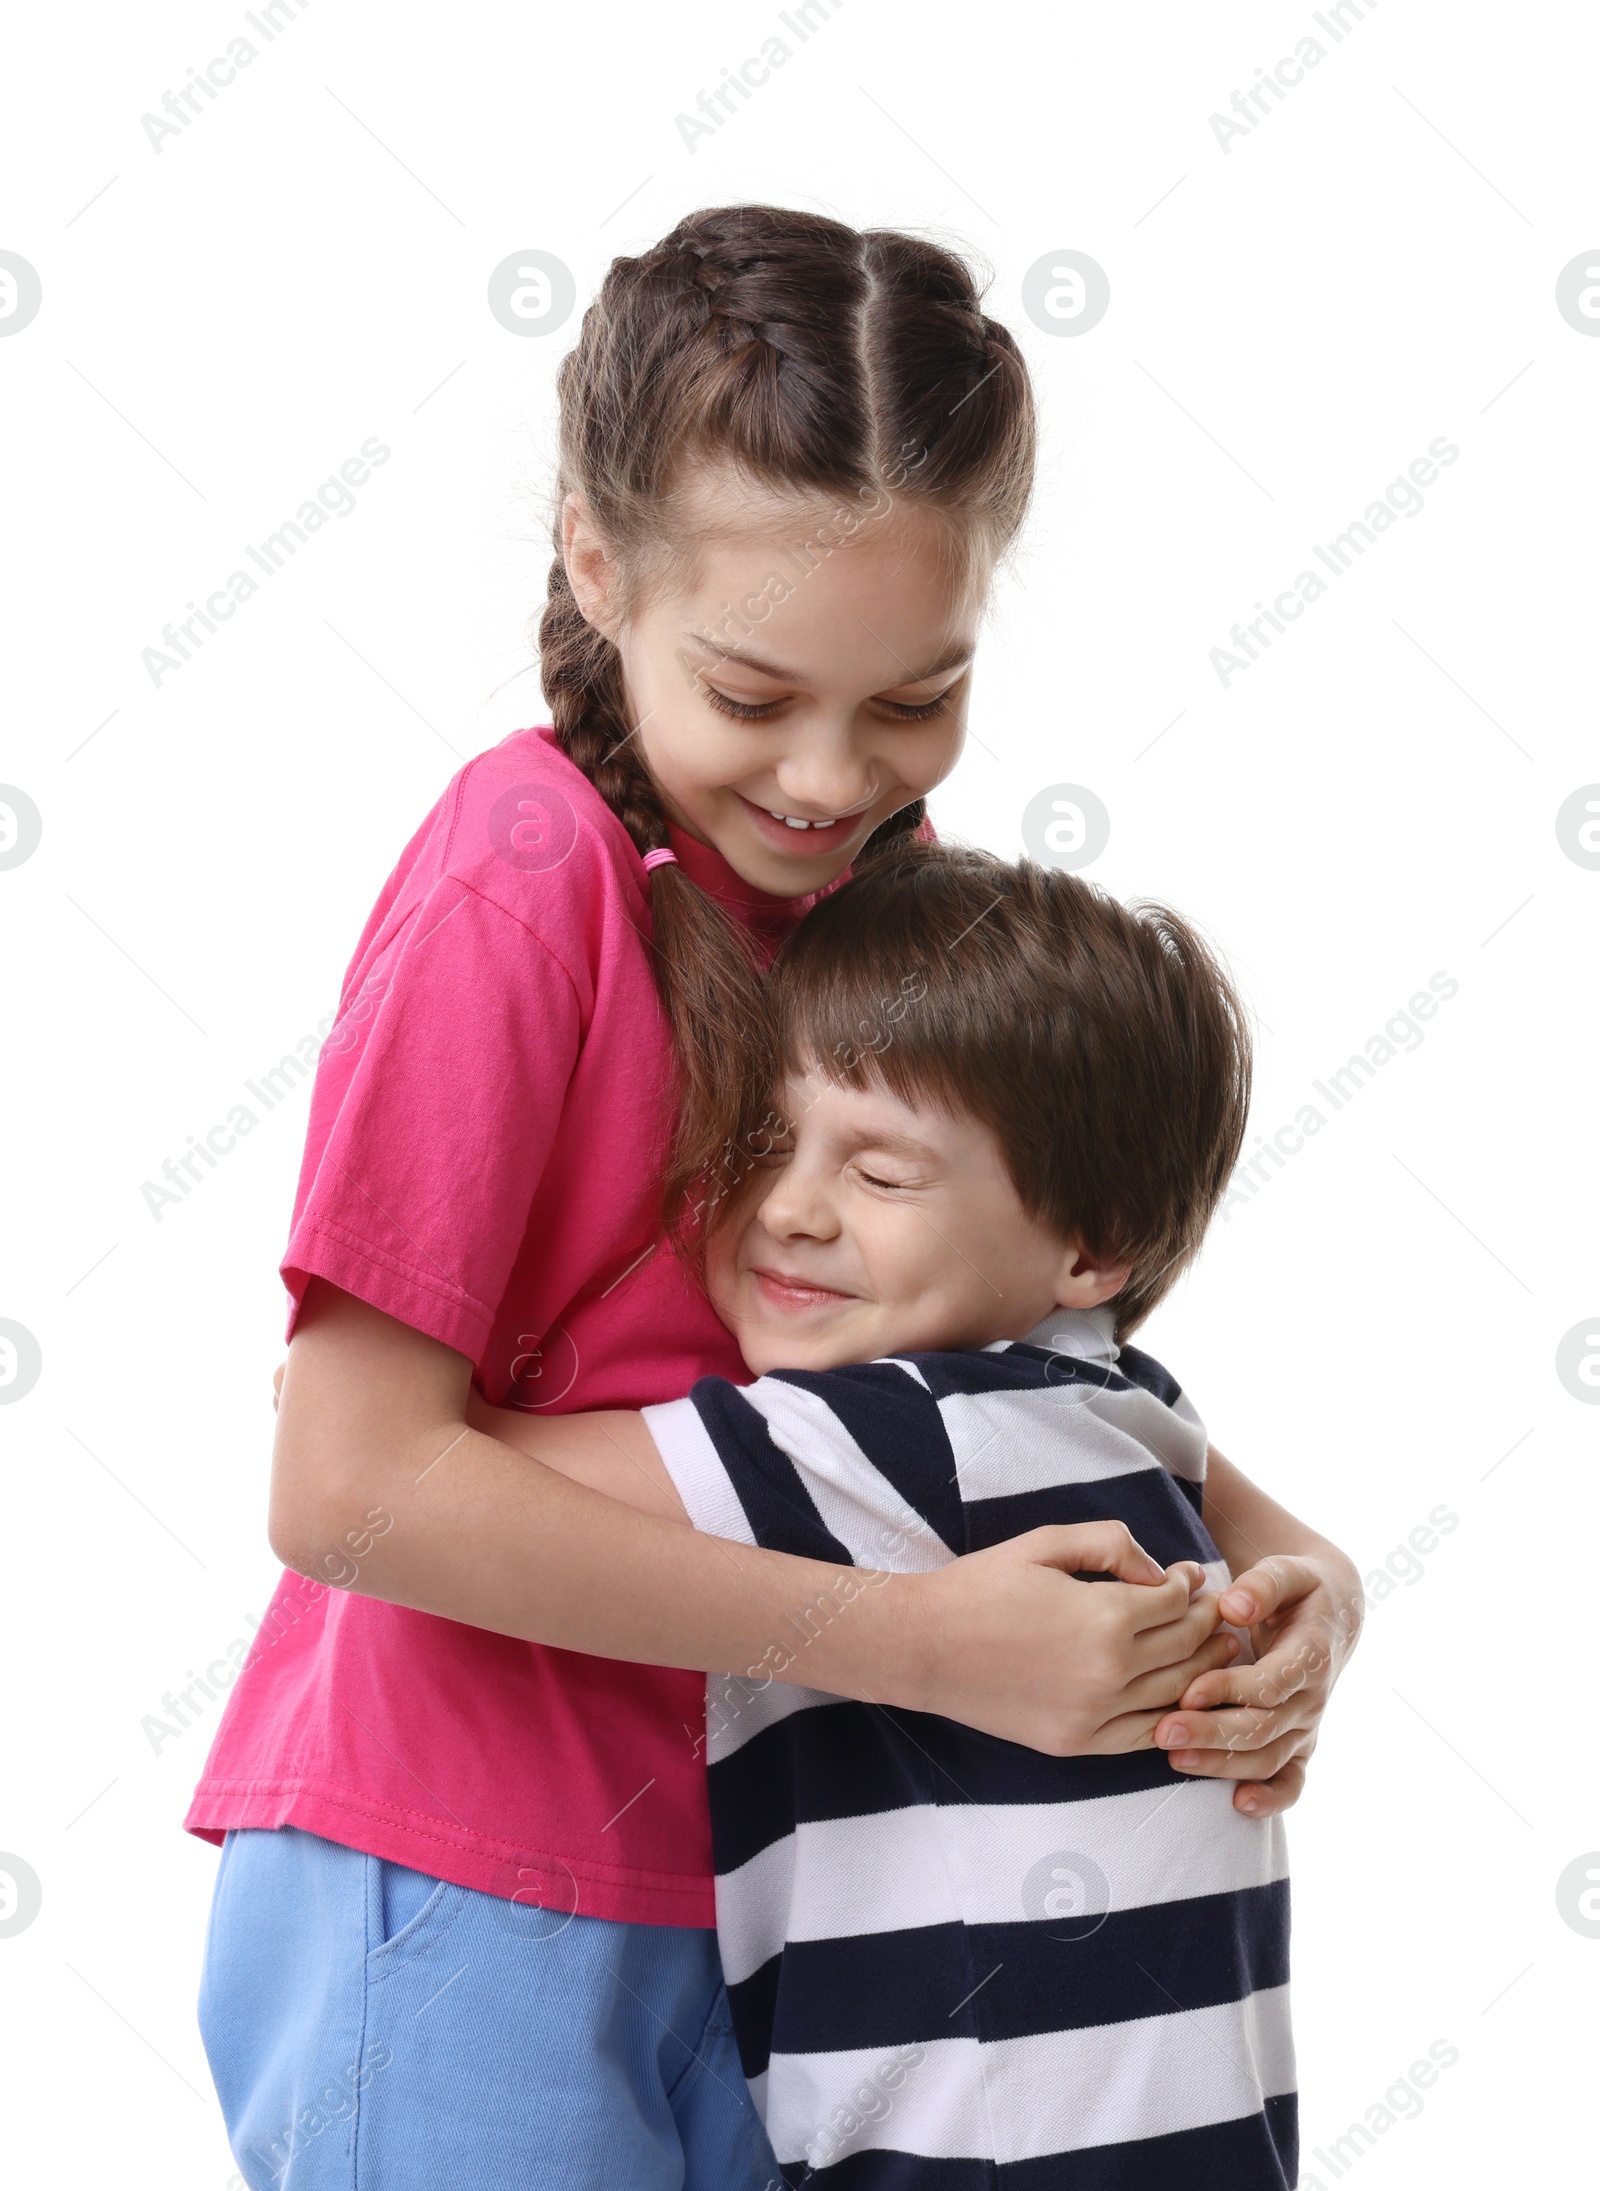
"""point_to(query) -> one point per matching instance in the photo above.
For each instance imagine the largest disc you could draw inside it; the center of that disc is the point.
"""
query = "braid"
(705, 964)
(582, 676)
(813, 358)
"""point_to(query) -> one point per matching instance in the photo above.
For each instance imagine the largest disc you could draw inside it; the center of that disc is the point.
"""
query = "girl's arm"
(609, 1450)
(380, 1484)
(1303, 1600)
(1303, 1603)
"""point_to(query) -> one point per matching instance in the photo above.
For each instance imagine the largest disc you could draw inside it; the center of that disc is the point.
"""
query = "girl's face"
(806, 680)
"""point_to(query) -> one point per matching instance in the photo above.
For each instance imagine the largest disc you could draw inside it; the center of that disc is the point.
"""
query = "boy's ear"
(1083, 1283)
(591, 573)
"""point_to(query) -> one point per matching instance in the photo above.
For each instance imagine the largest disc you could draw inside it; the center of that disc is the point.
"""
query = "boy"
(1011, 1108)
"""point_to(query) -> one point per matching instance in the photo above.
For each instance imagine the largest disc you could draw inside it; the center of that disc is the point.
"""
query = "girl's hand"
(1258, 1724)
(1103, 1660)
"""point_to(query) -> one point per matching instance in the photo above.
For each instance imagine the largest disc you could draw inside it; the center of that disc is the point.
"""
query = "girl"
(462, 1923)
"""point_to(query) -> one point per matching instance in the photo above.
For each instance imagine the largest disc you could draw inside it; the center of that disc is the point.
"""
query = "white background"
(1373, 1334)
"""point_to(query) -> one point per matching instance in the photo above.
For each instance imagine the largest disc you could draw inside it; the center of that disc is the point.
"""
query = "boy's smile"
(879, 1228)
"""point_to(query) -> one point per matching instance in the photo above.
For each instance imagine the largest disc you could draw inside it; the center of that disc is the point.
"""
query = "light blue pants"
(376, 2030)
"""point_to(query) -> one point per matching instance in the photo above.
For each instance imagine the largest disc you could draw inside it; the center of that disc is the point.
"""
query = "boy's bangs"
(845, 1035)
(1103, 1045)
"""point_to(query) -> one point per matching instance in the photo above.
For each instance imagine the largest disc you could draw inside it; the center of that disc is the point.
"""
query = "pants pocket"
(407, 1912)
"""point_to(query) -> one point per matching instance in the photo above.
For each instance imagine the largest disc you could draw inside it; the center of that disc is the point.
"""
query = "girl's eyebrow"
(955, 657)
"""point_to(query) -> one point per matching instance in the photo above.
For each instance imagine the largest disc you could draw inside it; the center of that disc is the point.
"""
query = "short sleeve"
(796, 1463)
(701, 1476)
(438, 1095)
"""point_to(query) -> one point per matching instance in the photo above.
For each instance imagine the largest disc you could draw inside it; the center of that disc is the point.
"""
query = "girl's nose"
(827, 777)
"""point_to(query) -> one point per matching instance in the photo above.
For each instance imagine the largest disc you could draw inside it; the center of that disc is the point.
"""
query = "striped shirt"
(954, 1962)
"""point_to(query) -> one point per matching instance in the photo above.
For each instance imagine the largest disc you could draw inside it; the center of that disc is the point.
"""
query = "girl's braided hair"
(812, 358)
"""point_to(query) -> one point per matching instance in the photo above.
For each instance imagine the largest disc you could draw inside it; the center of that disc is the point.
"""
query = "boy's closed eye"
(872, 1178)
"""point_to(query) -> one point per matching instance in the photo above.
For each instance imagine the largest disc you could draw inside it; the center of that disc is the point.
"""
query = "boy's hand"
(1258, 1724)
(1110, 1657)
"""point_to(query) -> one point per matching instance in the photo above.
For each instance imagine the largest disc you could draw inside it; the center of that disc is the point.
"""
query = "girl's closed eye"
(918, 711)
(759, 711)
(742, 711)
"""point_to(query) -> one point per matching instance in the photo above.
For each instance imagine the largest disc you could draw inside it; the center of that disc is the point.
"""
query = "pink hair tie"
(660, 859)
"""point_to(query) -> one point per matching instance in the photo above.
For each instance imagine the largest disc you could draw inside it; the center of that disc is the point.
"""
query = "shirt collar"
(769, 919)
(1089, 1335)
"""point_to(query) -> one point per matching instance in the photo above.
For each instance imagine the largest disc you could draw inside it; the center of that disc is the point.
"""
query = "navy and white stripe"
(927, 1994)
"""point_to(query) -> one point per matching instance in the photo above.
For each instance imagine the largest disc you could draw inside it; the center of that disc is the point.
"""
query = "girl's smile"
(817, 836)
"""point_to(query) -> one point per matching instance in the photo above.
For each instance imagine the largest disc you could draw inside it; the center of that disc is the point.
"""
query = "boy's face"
(887, 1229)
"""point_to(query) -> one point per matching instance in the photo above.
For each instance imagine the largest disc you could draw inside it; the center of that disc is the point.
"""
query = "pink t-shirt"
(482, 1163)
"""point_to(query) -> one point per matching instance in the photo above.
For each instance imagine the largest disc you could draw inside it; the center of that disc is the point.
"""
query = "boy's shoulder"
(1063, 1404)
(1025, 1365)
(1073, 1351)
(1067, 1384)
(904, 1460)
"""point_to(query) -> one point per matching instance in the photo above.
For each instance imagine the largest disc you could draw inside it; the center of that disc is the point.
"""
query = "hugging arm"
(381, 1484)
(1254, 1724)
(1122, 1656)
(610, 1450)
(1303, 1603)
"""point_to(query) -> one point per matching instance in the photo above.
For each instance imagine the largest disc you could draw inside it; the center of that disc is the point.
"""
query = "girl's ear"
(591, 573)
(1083, 1283)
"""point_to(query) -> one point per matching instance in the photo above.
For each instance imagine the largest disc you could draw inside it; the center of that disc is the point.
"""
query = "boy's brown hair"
(1102, 1044)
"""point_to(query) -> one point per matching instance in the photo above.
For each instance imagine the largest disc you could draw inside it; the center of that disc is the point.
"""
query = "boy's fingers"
(1241, 1765)
(1210, 1689)
(1265, 1798)
(1268, 1683)
(1231, 1731)
(1259, 1593)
